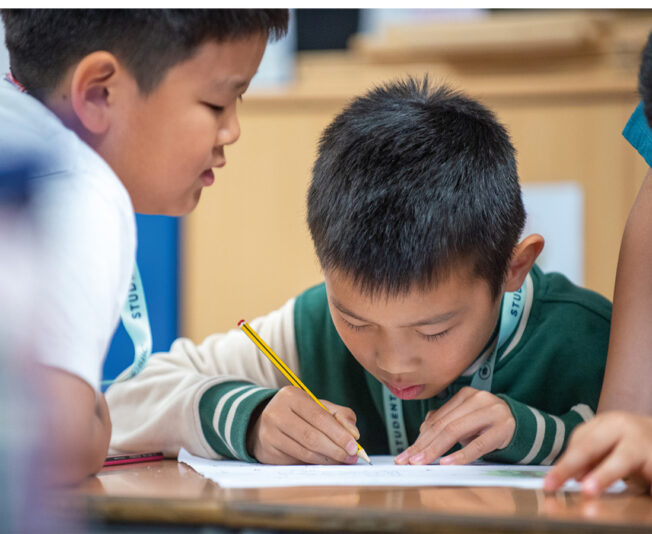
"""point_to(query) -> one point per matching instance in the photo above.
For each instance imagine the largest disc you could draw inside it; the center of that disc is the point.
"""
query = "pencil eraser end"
(241, 322)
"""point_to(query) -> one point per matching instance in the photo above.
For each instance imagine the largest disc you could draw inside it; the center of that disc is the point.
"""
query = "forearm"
(629, 362)
(77, 426)
(539, 436)
(171, 404)
(79, 459)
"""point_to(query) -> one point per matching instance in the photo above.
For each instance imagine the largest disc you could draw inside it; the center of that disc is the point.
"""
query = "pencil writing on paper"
(287, 372)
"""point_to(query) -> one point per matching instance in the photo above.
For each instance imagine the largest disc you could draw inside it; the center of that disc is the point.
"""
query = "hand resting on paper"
(294, 429)
(479, 420)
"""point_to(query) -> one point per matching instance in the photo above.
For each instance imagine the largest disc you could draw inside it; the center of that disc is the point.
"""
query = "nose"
(229, 129)
(395, 362)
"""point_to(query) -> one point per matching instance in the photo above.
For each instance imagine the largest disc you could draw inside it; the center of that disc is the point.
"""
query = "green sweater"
(550, 377)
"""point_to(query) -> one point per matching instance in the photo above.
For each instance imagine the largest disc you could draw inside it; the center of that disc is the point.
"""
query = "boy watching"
(433, 328)
(131, 109)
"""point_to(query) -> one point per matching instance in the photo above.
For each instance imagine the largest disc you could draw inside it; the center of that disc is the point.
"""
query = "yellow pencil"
(287, 372)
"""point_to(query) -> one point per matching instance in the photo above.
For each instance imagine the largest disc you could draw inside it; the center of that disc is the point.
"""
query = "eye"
(213, 107)
(434, 337)
(352, 326)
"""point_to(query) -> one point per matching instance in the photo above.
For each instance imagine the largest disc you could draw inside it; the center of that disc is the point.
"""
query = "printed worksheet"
(382, 472)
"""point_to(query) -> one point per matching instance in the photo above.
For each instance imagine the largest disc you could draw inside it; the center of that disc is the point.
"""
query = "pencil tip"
(364, 456)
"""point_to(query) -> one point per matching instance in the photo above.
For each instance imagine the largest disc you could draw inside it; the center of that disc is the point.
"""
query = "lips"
(406, 393)
(207, 177)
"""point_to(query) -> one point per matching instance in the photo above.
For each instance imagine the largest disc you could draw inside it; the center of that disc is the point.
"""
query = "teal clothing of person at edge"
(639, 135)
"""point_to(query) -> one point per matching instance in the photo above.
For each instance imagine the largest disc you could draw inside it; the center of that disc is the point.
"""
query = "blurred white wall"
(277, 67)
(556, 211)
(376, 21)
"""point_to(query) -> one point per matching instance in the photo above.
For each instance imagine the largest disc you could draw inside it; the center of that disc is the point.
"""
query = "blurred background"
(562, 81)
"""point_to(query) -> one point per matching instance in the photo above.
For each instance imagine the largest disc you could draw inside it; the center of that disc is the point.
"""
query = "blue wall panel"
(158, 261)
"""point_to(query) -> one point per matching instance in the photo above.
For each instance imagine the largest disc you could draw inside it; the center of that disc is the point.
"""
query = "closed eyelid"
(352, 325)
(433, 337)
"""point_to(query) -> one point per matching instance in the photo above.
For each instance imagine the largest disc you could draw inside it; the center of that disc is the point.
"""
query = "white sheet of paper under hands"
(383, 472)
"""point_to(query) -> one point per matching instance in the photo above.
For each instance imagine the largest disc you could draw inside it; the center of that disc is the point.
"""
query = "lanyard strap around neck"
(511, 311)
(136, 322)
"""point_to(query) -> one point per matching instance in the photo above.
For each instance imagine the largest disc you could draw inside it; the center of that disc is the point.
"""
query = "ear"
(523, 258)
(91, 90)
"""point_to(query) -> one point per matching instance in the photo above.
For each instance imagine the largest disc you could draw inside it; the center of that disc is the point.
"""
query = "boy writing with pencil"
(433, 334)
(130, 110)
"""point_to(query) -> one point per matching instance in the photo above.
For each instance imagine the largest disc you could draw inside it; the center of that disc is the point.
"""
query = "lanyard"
(136, 322)
(134, 312)
(510, 315)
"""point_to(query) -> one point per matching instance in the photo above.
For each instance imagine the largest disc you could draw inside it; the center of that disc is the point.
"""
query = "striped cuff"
(539, 437)
(225, 410)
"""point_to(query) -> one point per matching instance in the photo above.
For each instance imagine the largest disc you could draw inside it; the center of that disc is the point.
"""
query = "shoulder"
(314, 328)
(61, 164)
(311, 312)
(555, 294)
(561, 321)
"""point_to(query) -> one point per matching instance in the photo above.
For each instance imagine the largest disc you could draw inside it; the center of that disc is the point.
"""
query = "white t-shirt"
(86, 220)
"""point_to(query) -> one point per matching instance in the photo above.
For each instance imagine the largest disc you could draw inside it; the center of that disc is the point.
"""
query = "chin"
(185, 208)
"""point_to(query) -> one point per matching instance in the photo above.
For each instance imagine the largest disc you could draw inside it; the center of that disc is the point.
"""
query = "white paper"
(383, 472)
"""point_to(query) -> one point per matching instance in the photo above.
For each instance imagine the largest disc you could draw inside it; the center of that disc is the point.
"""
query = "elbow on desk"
(77, 429)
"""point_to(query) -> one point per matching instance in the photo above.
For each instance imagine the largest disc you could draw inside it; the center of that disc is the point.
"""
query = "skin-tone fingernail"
(417, 459)
(352, 460)
(549, 483)
(402, 458)
(447, 460)
(590, 486)
(351, 447)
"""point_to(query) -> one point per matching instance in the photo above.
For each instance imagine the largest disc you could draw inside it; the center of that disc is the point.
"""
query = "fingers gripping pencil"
(287, 372)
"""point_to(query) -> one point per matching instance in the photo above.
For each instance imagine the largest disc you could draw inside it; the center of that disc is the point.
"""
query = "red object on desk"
(133, 458)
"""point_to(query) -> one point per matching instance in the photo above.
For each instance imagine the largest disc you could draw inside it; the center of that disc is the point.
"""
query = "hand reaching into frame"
(611, 446)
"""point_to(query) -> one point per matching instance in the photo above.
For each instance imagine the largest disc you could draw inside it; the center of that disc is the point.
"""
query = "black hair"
(44, 43)
(409, 181)
(645, 80)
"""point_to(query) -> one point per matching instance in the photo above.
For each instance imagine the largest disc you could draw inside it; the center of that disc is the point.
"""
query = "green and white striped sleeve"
(539, 437)
(225, 411)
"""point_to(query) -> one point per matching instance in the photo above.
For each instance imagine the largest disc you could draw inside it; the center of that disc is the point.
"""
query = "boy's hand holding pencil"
(293, 429)
(296, 426)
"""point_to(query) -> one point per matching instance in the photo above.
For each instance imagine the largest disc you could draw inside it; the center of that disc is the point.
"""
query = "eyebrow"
(435, 319)
(234, 85)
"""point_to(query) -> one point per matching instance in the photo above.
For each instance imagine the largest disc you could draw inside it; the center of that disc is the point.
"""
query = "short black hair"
(645, 80)
(409, 181)
(44, 43)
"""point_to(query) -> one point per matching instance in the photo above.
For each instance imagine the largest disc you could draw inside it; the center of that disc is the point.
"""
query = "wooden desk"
(169, 492)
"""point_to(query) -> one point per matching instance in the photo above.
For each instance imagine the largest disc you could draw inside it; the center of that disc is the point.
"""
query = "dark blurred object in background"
(325, 29)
